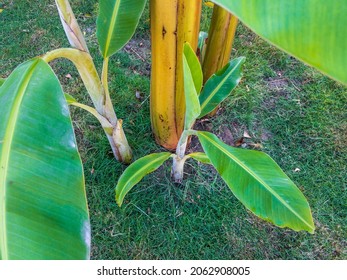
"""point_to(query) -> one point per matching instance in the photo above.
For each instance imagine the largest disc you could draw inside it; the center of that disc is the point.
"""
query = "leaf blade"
(194, 66)
(192, 85)
(116, 23)
(44, 210)
(259, 183)
(311, 30)
(136, 171)
(220, 86)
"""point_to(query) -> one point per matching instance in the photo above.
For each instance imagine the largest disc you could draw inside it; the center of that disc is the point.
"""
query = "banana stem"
(188, 26)
(180, 158)
(173, 22)
(101, 100)
(220, 41)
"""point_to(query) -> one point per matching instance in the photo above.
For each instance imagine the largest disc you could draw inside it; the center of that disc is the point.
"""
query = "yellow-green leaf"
(136, 171)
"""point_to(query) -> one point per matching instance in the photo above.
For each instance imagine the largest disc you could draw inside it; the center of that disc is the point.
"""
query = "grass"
(296, 114)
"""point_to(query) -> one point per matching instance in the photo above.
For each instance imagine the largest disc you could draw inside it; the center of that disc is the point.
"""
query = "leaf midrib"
(267, 187)
(5, 155)
(112, 27)
(215, 91)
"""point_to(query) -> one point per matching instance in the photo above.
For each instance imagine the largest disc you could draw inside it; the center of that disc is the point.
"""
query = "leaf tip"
(119, 201)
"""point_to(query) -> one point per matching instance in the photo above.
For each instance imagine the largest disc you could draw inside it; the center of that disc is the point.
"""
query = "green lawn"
(291, 111)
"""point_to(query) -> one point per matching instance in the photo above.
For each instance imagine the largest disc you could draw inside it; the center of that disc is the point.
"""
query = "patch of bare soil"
(140, 49)
(279, 87)
(340, 136)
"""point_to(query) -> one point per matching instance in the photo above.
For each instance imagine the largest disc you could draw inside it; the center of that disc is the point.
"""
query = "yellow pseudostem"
(220, 41)
(172, 24)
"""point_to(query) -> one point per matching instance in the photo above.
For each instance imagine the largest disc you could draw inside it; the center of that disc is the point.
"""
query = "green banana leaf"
(2, 81)
(313, 31)
(194, 66)
(192, 76)
(136, 171)
(116, 23)
(43, 207)
(70, 99)
(220, 85)
(259, 183)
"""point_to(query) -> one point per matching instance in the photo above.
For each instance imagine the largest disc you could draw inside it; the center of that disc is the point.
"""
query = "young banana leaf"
(259, 183)
(116, 23)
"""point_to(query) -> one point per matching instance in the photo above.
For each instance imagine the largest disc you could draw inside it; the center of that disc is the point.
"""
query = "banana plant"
(43, 205)
(116, 23)
(253, 177)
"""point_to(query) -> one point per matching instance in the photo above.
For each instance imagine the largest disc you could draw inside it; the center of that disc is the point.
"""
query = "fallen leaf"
(256, 145)
(239, 142)
(1, 10)
(227, 136)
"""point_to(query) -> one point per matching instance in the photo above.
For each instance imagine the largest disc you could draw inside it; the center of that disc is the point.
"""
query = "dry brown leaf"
(239, 142)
